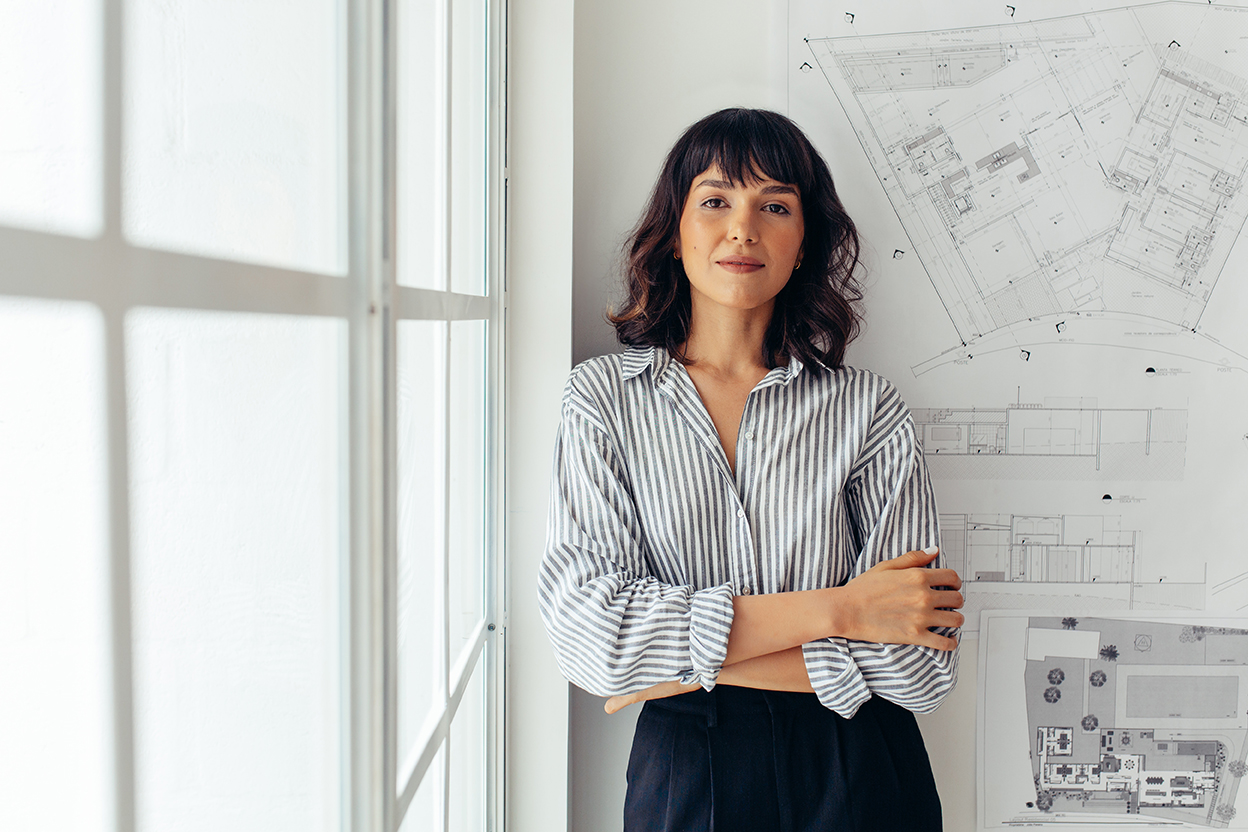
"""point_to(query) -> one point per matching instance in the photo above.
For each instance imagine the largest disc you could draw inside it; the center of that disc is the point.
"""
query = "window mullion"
(122, 659)
(388, 139)
(371, 773)
(119, 569)
(447, 262)
(113, 111)
(493, 651)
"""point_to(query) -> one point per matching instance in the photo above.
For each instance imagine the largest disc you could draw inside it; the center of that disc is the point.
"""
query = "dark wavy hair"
(816, 314)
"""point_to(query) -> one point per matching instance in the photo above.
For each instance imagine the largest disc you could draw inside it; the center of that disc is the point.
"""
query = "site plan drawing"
(1088, 164)
(1105, 719)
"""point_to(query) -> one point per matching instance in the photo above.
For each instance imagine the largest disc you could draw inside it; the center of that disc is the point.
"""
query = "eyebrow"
(767, 189)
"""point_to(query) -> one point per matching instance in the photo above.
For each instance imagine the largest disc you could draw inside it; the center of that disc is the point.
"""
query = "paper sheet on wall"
(1107, 720)
(1054, 199)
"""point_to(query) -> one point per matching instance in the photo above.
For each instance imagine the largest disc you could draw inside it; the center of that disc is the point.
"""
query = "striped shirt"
(651, 534)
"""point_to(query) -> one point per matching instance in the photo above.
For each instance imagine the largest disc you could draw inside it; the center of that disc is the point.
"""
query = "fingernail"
(931, 550)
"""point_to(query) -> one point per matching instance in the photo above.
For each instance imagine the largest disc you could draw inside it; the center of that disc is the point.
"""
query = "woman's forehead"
(715, 176)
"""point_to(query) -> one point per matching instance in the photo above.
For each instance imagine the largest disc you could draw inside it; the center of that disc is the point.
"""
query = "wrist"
(835, 613)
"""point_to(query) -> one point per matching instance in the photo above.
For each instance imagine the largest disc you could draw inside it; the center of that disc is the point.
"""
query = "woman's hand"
(659, 691)
(896, 601)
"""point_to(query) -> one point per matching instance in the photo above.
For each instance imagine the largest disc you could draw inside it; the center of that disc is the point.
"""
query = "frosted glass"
(421, 132)
(468, 147)
(50, 133)
(422, 524)
(467, 748)
(234, 121)
(426, 810)
(466, 444)
(238, 530)
(54, 715)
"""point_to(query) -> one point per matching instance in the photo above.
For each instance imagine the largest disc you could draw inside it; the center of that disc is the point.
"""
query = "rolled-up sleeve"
(892, 511)
(615, 628)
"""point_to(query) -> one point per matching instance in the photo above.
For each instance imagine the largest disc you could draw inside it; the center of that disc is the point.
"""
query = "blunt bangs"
(746, 146)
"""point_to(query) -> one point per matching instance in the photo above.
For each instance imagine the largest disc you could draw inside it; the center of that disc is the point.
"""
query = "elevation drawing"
(1083, 563)
(1060, 439)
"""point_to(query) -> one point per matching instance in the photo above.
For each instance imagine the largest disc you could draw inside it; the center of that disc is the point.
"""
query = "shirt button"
(740, 512)
(745, 590)
(749, 434)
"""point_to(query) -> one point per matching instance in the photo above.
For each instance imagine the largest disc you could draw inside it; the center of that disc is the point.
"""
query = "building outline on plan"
(1062, 169)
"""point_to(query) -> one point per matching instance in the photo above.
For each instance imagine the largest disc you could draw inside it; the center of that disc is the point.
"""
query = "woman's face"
(739, 243)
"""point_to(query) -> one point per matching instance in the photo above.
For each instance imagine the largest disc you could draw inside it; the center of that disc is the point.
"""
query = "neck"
(728, 342)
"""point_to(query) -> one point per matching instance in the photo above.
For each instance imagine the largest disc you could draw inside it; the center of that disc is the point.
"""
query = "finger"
(909, 560)
(939, 642)
(942, 577)
(947, 599)
(947, 618)
(615, 703)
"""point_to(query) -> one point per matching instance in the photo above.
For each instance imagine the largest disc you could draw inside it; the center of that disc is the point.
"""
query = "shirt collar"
(637, 360)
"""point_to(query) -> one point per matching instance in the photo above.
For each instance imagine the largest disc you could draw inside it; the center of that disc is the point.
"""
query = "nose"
(742, 225)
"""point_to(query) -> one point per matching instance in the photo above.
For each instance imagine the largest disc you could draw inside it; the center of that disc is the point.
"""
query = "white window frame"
(117, 276)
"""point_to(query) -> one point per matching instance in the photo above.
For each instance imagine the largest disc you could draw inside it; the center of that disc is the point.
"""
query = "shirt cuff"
(710, 619)
(835, 676)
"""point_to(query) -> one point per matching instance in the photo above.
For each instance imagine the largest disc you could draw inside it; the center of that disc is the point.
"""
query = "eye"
(776, 208)
(713, 202)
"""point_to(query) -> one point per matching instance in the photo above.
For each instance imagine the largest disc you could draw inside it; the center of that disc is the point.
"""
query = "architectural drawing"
(1061, 439)
(1030, 549)
(1142, 719)
(1085, 563)
(1081, 165)
(1235, 584)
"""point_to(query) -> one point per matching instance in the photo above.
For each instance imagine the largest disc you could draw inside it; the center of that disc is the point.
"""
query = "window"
(250, 419)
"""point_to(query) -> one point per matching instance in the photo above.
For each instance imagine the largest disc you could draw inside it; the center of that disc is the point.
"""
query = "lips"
(740, 264)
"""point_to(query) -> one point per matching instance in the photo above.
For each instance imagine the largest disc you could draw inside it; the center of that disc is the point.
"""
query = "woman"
(736, 516)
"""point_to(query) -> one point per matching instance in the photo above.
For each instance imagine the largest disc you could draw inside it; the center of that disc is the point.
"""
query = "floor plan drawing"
(1061, 439)
(1129, 718)
(1089, 164)
(1084, 563)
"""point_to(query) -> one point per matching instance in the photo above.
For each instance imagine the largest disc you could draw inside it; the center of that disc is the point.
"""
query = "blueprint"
(1053, 199)
(1108, 720)
(1060, 167)
(1053, 203)
(1080, 564)
(1054, 440)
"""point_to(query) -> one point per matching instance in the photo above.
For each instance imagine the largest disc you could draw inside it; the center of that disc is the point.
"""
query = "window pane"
(468, 146)
(234, 130)
(468, 756)
(236, 456)
(421, 134)
(426, 811)
(50, 139)
(466, 443)
(422, 524)
(54, 718)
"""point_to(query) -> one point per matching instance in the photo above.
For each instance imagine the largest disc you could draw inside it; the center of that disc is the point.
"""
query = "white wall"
(645, 71)
(539, 340)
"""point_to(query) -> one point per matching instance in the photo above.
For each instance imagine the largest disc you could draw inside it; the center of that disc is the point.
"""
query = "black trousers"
(742, 760)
